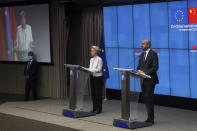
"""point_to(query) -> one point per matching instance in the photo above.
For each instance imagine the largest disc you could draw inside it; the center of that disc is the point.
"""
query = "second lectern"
(125, 121)
(79, 101)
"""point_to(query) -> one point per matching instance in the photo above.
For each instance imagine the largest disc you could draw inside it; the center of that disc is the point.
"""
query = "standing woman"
(95, 67)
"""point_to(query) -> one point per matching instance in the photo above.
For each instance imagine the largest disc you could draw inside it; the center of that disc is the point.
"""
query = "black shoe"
(150, 121)
(93, 111)
(26, 99)
(35, 99)
(98, 112)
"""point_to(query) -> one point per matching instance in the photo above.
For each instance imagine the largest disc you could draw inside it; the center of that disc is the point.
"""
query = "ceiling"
(85, 2)
(82, 2)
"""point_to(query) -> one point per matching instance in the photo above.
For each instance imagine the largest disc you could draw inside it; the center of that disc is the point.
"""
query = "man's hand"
(141, 72)
(26, 77)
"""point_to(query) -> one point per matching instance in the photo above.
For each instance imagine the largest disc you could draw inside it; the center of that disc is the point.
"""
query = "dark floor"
(10, 97)
(23, 124)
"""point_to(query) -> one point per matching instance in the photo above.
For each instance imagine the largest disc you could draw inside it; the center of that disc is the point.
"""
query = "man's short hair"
(31, 52)
(23, 14)
(149, 43)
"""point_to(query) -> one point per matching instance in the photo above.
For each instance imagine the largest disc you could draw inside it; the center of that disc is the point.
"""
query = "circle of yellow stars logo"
(179, 15)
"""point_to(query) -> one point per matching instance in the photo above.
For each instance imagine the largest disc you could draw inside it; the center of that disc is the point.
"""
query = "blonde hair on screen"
(23, 14)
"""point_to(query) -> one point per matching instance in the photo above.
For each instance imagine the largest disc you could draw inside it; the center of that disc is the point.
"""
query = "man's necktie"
(28, 65)
(144, 56)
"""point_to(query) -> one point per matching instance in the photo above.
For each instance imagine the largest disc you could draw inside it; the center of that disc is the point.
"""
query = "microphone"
(134, 60)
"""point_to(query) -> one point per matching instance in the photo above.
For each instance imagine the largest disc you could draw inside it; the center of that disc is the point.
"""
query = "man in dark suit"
(148, 64)
(30, 74)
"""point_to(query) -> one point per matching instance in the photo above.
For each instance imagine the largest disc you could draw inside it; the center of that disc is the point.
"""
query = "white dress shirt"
(96, 64)
(147, 51)
(24, 38)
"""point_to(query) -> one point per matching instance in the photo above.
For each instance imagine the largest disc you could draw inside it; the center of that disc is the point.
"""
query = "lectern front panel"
(72, 96)
(125, 78)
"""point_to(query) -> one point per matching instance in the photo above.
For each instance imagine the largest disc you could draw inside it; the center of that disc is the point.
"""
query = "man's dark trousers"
(148, 91)
(30, 85)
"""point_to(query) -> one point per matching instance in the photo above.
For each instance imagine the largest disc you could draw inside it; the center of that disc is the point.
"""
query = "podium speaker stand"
(125, 121)
(79, 99)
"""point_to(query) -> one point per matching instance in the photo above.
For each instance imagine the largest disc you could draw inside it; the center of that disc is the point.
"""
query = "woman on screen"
(24, 42)
(96, 64)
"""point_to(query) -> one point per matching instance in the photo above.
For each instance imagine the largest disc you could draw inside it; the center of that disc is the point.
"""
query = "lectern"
(125, 121)
(78, 83)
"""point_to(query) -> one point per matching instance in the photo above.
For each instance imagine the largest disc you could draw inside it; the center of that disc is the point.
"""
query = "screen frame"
(50, 34)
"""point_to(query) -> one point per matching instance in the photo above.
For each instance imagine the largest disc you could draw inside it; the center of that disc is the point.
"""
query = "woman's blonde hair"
(23, 14)
(97, 49)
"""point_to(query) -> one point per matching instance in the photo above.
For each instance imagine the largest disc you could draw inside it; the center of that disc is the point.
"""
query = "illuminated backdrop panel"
(172, 30)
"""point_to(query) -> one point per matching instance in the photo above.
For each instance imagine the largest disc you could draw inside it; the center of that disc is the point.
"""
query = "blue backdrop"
(125, 28)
